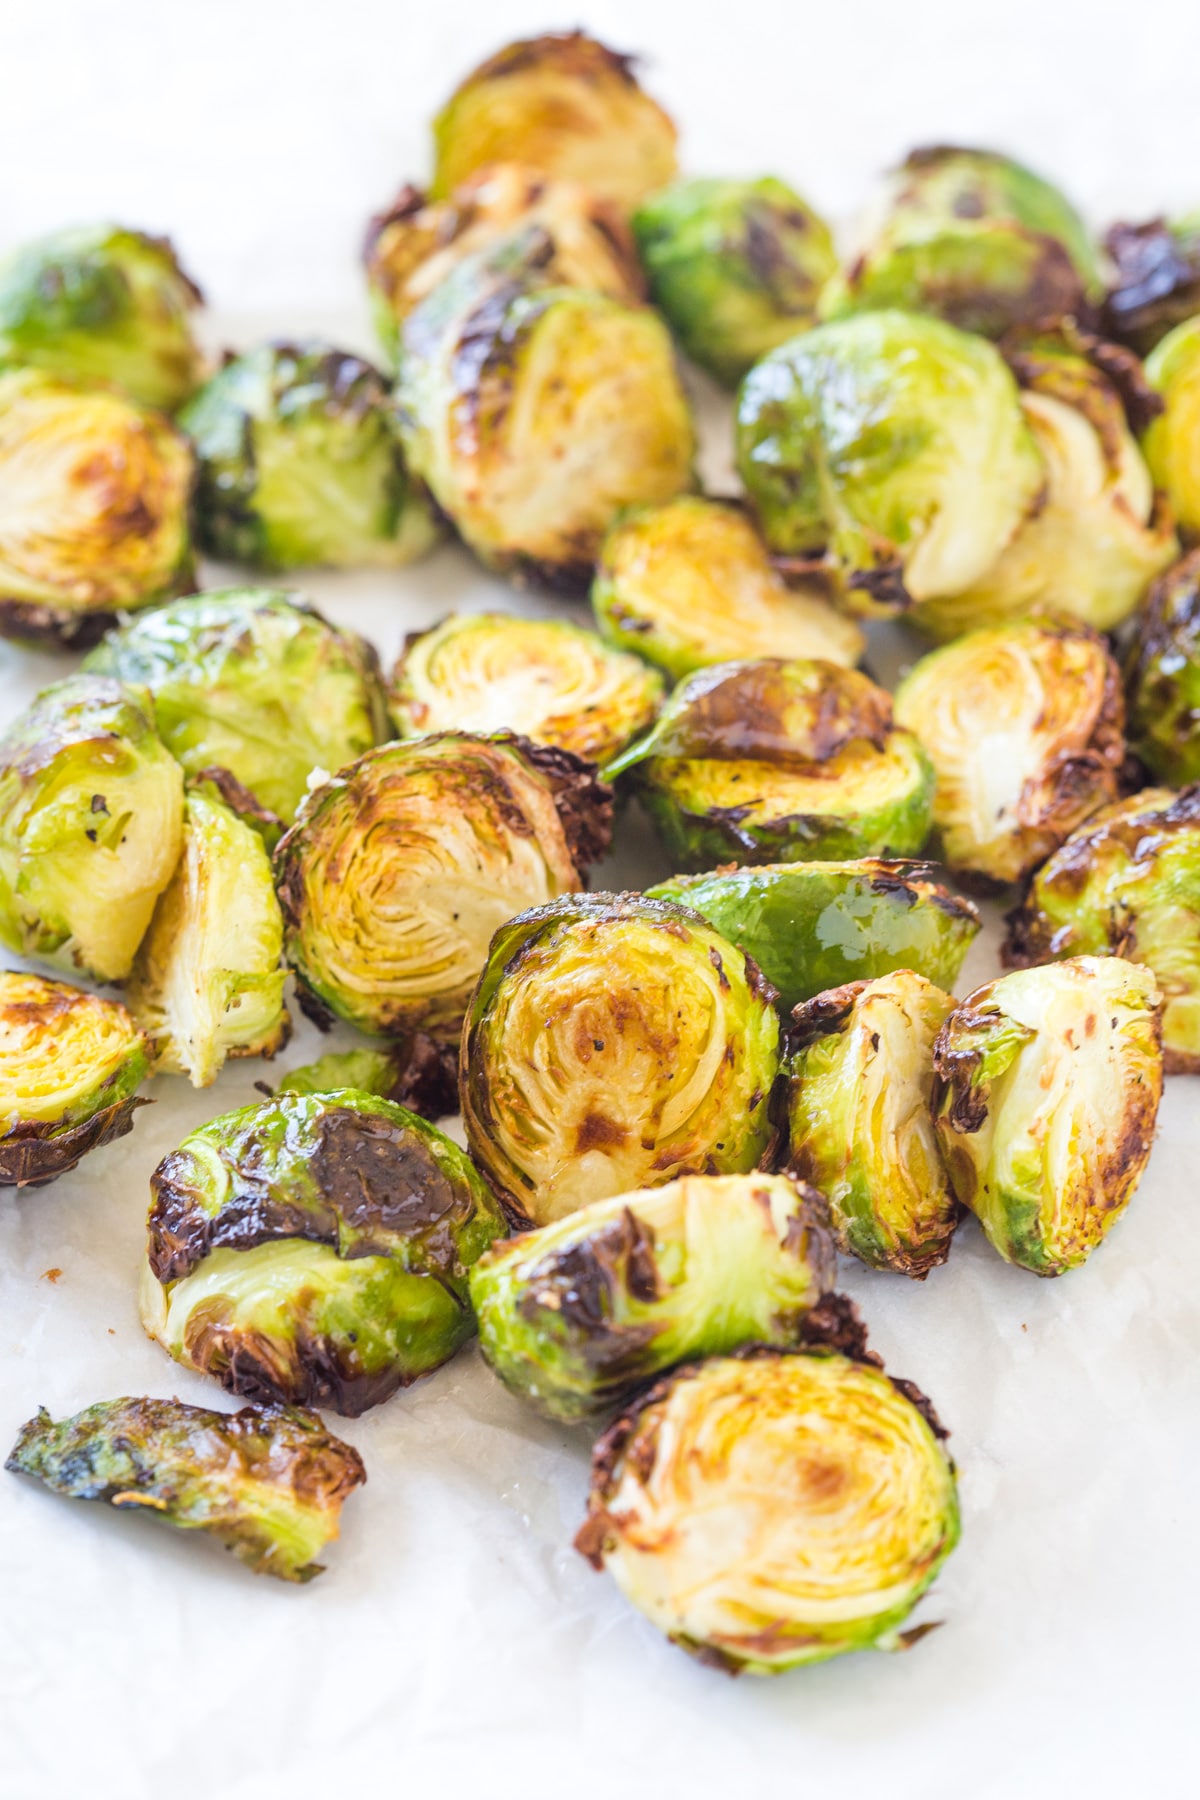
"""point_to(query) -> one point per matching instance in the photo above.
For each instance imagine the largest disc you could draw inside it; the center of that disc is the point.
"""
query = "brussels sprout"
(315, 1248)
(690, 583)
(1172, 442)
(103, 304)
(91, 825)
(859, 1122)
(256, 682)
(736, 266)
(300, 463)
(615, 1042)
(551, 681)
(897, 443)
(397, 872)
(267, 1482)
(780, 761)
(563, 104)
(70, 1066)
(1157, 281)
(94, 516)
(1162, 676)
(1046, 1089)
(418, 1074)
(1024, 725)
(817, 925)
(774, 1508)
(574, 1316)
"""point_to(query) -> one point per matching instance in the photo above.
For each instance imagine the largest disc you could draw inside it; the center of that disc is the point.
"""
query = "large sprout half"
(1156, 283)
(1172, 442)
(1162, 676)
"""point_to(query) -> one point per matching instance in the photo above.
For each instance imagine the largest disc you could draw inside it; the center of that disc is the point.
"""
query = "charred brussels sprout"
(613, 1043)
(398, 871)
(1157, 280)
(1172, 443)
(1024, 725)
(267, 1482)
(91, 825)
(418, 1074)
(736, 266)
(690, 584)
(70, 1066)
(574, 1316)
(94, 508)
(1162, 676)
(315, 1248)
(1047, 1084)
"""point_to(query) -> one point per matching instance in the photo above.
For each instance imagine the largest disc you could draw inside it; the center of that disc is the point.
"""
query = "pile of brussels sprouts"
(681, 1105)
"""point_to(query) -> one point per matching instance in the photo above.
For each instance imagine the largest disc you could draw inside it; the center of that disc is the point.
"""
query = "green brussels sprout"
(859, 1123)
(1024, 726)
(546, 679)
(70, 1068)
(575, 1316)
(301, 463)
(96, 502)
(1172, 441)
(418, 1074)
(896, 443)
(256, 682)
(564, 104)
(1157, 281)
(1162, 676)
(614, 1043)
(315, 1249)
(1046, 1089)
(736, 266)
(267, 1482)
(776, 761)
(774, 1508)
(817, 925)
(103, 304)
(398, 870)
(91, 825)
(690, 583)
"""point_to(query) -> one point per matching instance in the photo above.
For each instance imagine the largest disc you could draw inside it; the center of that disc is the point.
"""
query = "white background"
(457, 1644)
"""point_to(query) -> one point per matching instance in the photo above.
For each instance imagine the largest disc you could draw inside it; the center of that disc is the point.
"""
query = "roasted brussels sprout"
(613, 1043)
(267, 1482)
(574, 1316)
(418, 1074)
(1172, 442)
(549, 680)
(690, 583)
(1047, 1083)
(1162, 676)
(774, 1508)
(70, 1068)
(1157, 281)
(315, 1248)
(780, 761)
(103, 304)
(736, 266)
(896, 443)
(95, 517)
(563, 104)
(256, 682)
(397, 872)
(91, 825)
(1024, 725)
(300, 463)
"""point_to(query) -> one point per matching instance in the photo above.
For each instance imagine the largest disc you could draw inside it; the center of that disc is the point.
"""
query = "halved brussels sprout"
(397, 872)
(267, 1482)
(690, 583)
(546, 679)
(94, 500)
(1046, 1093)
(70, 1066)
(561, 103)
(1172, 442)
(1162, 676)
(780, 761)
(575, 1316)
(1157, 281)
(1024, 725)
(315, 1248)
(817, 925)
(774, 1508)
(736, 266)
(91, 825)
(418, 1074)
(256, 682)
(101, 303)
(859, 1123)
(614, 1043)
(896, 443)
(301, 463)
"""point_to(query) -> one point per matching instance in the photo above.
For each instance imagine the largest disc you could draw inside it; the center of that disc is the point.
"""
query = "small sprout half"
(418, 1074)
(1162, 676)
(1172, 442)
(1157, 281)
